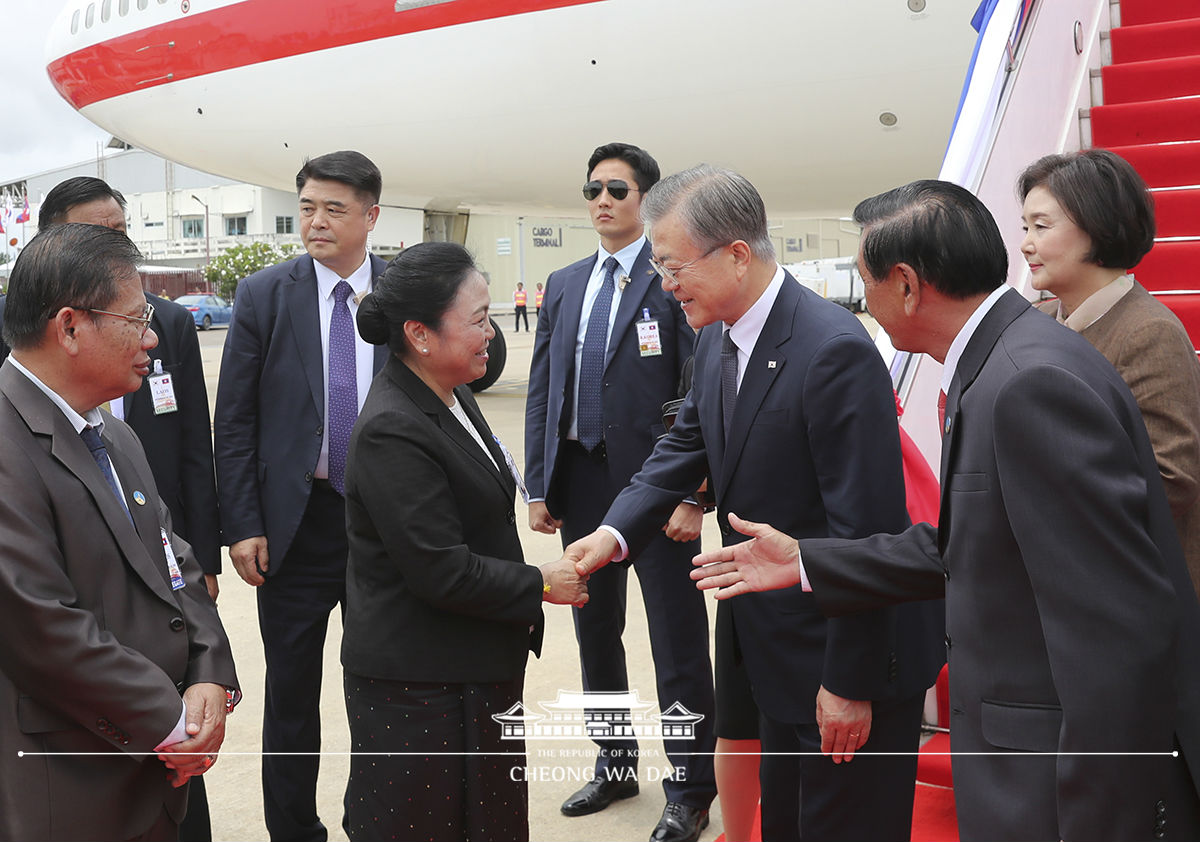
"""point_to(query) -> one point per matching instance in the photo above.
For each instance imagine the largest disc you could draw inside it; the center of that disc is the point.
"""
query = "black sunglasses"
(617, 188)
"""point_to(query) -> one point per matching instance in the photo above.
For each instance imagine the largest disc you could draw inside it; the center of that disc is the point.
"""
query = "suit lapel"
(300, 300)
(571, 311)
(764, 366)
(708, 400)
(1003, 313)
(47, 421)
(145, 518)
(432, 405)
(382, 352)
(628, 310)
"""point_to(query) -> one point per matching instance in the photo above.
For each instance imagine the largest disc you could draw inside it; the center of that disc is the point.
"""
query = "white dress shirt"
(744, 332)
(364, 360)
(625, 260)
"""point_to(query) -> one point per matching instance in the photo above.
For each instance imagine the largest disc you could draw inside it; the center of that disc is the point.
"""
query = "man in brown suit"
(1088, 217)
(104, 613)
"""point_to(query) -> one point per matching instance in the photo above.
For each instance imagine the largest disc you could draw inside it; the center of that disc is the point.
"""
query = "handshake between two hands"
(767, 561)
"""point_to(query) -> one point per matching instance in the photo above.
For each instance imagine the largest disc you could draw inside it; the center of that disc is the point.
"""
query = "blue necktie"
(591, 367)
(729, 368)
(343, 385)
(100, 453)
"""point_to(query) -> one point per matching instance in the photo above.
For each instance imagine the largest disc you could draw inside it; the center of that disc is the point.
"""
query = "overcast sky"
(38, 130)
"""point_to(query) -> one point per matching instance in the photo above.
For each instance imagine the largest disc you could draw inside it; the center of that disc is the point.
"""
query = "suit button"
(1161, 808)
(308, 476)
(947, 575)
(512, 518)
(949, 642)
(125, 741)
(320, 429)
(102, 724)
(725, 529)
(176, 624)
(179, 687)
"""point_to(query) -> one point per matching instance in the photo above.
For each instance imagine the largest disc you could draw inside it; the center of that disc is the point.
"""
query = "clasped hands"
(205, 727)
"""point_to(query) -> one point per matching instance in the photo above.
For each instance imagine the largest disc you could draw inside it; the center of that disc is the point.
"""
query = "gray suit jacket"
(97, 647)
(270, 412)
(1071, 624)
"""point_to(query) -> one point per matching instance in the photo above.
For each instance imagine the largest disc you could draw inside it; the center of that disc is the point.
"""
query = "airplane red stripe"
(255, 31)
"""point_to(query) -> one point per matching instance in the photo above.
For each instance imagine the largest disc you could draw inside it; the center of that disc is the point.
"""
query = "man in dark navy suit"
(293, 377)
(606, 356)
(177, 433)
(792, 414)
(1072, 627)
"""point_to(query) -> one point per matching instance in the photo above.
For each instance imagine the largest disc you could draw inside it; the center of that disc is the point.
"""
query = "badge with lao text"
(172, 562)
(162, 391)
(649, 341)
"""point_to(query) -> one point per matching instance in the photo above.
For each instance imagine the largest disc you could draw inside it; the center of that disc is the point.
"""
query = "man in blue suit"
(606, 356)
(293, 377)
(791, 413)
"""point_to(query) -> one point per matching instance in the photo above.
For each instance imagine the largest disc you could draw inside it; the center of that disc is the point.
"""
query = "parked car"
(207, 310)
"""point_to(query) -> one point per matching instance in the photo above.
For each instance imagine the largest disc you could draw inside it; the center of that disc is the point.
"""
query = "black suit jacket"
(270, 414)
(178, 445)
(1071, 622)
(635, 386)
(436, 587)
(815, 451)
(97, 647)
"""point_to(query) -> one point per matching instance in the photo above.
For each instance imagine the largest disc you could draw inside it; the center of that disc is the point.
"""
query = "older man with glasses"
(791, 409)
(606, 356)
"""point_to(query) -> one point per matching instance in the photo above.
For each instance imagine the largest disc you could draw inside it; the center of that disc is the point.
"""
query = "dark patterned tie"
(591, 365)
(343, 385)
(100, 453)
(729, 370)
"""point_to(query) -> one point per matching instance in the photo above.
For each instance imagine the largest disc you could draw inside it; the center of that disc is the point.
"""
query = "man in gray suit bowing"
(293, 377)
(1072, 628)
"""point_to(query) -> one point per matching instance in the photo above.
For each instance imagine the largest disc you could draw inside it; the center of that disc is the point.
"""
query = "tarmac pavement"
(234, 783)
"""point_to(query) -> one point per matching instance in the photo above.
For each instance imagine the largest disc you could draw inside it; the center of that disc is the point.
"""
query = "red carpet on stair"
(1166, 77)
(1157, 121)
(1155, 40)
(1177, 212)
(1134, 12)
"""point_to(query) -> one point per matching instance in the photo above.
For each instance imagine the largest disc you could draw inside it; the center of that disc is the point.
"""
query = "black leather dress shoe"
(680, 823)
(597, 794)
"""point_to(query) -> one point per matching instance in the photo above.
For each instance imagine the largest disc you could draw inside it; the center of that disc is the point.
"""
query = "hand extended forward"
(768, 561)
(592, 552)
(567, 586)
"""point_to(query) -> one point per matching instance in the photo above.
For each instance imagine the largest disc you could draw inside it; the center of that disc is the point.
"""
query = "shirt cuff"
(805, 585)
(624, 554)
(179, 734)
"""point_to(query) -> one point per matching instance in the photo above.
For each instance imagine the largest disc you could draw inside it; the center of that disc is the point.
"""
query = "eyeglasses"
(669, 272)
(617, 188)
(143, 321)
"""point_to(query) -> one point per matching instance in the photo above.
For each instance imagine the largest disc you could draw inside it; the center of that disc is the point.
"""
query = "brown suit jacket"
(1150, 349)
(96, 646)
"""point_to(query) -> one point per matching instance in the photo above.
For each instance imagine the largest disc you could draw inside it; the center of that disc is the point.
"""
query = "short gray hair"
(717, 207)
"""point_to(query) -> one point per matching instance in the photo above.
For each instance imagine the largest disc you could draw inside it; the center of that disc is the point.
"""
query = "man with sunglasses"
(606, 356)
(792, 413)
(106, 619)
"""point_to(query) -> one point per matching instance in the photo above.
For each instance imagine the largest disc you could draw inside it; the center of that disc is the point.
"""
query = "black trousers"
(522, 313)
(806, 795)
(678, 626)
(293, 615)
